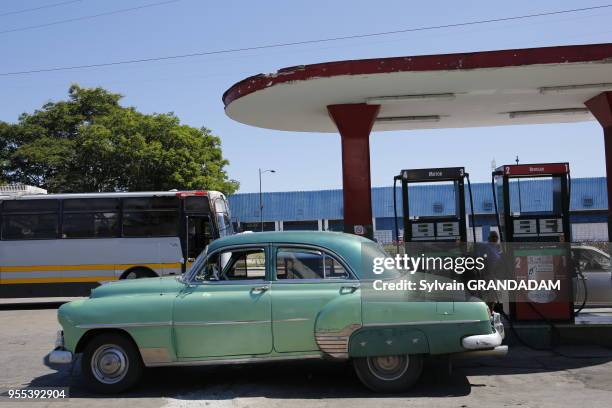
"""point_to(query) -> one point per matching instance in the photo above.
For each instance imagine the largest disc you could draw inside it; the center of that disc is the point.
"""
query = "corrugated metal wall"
(587, 194)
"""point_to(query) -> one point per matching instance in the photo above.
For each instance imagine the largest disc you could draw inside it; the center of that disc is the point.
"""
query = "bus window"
(150, 224)
(91, 204)
(29, 219)
(150, 216)
(90, 218)
(151, 203)
(198, 204)
(29, 206)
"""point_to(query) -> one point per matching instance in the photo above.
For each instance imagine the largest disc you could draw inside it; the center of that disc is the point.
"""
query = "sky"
(192, 88)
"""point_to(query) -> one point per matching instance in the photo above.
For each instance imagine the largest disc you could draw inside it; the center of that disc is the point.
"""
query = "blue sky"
(192, 88)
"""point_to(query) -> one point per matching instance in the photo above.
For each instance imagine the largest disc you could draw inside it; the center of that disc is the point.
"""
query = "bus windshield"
(223, 217)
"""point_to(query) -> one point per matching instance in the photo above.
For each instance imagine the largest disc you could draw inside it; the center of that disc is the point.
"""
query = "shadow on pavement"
(319, 379)
(301, 380)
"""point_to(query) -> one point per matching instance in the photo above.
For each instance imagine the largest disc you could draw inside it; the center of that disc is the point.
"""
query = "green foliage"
(90, 143)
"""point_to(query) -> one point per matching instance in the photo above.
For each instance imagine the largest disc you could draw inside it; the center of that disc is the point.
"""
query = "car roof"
(348, 246)
(304, 237)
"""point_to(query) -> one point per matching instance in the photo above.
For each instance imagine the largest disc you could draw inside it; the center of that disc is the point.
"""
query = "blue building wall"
(587, 194)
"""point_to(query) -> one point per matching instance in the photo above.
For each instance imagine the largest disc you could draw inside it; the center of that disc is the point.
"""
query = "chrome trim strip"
(219, 322)
(122, 325)
(264, 359)
(313, 281)
(423, 322)
(238, 282)
(499, 351)
(295, 319)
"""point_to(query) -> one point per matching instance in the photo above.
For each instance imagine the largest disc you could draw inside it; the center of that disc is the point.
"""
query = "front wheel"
(389, 373)
(111, 363)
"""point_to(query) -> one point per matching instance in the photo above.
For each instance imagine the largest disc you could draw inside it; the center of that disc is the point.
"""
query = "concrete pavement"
(573, 377)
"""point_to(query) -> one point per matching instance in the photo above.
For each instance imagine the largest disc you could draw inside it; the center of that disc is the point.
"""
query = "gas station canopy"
(508, 87)
(490, 88)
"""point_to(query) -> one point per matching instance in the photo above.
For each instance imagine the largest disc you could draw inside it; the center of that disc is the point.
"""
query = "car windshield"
(197, 265)
(596, 258)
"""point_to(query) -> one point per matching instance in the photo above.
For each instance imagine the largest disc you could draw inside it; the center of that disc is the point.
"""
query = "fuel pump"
(539, 237)
(435, 228)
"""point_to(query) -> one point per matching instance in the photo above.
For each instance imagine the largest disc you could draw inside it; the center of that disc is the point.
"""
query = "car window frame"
(334, 255)
(266, 279)
(232, 263)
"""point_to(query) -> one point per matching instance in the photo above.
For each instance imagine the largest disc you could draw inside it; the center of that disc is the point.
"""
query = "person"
(493, 253)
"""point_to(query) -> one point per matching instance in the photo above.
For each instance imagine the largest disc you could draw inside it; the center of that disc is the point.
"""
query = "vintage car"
(269, 296)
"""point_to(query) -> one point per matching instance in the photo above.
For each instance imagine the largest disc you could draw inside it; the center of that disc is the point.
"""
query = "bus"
(62, 245)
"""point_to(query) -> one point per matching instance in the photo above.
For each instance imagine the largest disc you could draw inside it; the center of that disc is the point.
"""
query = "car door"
(307, 282)
(226, 308)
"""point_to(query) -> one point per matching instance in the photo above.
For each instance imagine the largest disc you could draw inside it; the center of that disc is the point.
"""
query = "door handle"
(350, 288)
(260, 289)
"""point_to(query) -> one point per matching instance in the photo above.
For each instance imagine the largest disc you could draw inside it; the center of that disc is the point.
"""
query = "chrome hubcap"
(109, 364)
(388, 368)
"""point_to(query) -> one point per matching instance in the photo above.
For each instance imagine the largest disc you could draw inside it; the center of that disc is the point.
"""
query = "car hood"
(138, 287)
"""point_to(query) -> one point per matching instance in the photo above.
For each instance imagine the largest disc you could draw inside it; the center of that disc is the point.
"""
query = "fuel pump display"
(540, 236)
(434, 228)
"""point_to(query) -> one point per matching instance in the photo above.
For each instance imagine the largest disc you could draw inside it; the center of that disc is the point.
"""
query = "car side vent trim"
(335, 343)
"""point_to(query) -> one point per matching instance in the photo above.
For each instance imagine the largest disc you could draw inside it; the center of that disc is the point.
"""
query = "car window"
(595, 260)
(232, 265)
(299, 263)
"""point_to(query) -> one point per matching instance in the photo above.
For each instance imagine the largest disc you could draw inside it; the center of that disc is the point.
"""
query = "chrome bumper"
(59, 355)
(498, 351)
(487, 341)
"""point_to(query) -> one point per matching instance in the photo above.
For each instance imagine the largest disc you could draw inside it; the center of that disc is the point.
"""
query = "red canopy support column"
(354, 122)
(601, 107)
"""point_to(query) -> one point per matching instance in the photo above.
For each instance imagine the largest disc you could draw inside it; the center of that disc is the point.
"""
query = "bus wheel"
(138, 273)
(111, 363)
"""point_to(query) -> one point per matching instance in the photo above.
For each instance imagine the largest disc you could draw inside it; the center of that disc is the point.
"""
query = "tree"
(90, 143)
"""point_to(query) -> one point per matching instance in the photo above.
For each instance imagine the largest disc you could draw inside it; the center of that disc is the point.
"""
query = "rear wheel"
(389, 373)
(111, 363)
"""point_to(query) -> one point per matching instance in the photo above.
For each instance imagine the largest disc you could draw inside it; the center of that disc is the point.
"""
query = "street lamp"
(261, 196)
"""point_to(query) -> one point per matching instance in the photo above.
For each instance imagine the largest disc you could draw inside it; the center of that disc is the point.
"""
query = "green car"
(276, 296)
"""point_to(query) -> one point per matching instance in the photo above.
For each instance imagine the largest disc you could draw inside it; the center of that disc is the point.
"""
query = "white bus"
(65, 244)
